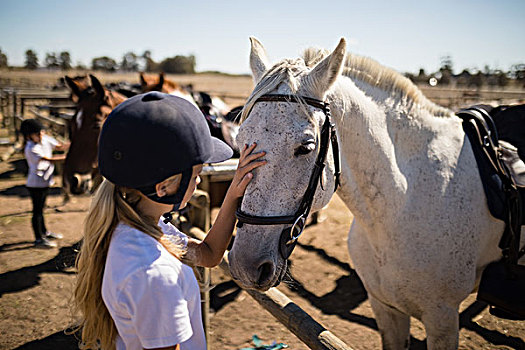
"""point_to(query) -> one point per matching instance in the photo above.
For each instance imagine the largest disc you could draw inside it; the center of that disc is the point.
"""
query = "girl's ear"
(168, 186)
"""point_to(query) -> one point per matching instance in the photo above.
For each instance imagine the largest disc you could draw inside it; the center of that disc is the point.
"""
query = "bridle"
(289, 235)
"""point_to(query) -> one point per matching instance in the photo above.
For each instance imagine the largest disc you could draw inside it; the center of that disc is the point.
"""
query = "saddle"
(497, 136)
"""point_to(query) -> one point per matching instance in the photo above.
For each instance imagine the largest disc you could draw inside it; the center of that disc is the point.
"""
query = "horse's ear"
(143, 82)
(99, 89)
(325, 73)
(161, 79)
(72, 86)
(258, 59)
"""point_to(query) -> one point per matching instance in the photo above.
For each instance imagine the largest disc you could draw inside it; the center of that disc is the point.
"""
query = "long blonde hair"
(109, 206)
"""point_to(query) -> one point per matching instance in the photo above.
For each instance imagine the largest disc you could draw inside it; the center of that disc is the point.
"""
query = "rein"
(289, 235)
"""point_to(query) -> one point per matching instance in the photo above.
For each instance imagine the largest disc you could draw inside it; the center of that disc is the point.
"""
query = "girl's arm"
(64, 146)
(55, 159)
(176, 347)
(209, 252)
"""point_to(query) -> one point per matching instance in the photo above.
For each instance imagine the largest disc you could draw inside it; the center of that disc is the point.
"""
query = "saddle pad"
(490, 179)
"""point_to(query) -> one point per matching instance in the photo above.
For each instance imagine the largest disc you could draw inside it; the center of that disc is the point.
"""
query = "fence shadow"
(349, 293)
(223, 294)
(57, 341)
(29, 276)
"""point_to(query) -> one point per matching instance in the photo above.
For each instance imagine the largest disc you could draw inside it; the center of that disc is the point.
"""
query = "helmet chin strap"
(175, 199)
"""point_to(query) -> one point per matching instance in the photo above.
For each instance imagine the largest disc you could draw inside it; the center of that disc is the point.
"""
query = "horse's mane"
(371, 72)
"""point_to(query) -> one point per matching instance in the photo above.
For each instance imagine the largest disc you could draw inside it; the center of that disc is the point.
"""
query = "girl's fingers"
(249, 167)
(247, 149)
(244, 182)
(250, 158)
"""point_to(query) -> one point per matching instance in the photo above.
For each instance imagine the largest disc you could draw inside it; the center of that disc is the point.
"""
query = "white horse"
(422, 232)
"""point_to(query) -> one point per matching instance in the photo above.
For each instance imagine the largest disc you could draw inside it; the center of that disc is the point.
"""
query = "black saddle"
(497, 136)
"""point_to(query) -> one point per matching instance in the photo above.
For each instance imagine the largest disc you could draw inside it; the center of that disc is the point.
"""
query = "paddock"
(36, 286)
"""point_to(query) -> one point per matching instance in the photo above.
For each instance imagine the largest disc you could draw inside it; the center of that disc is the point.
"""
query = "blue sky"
(404, 34)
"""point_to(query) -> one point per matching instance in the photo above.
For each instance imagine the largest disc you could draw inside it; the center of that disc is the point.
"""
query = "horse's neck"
(378, 139)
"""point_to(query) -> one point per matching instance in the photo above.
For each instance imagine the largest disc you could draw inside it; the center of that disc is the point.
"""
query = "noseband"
(289, 235)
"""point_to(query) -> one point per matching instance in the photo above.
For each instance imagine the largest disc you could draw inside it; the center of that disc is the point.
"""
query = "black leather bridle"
(289, 235)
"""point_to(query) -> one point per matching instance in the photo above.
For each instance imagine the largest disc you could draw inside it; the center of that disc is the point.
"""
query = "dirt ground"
(36, 286)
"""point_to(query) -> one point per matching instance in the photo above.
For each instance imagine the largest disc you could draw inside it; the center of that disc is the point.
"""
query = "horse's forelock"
(286, 71)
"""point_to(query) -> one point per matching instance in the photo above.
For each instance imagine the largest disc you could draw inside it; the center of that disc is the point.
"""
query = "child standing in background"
(38, 152)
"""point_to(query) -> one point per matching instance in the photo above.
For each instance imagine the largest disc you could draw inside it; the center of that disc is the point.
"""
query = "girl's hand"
(243, 175)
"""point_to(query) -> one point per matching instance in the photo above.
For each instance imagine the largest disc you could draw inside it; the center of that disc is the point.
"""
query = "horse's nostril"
(265, 273)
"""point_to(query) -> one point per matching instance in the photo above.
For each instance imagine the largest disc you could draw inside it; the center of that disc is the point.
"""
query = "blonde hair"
(109, 206)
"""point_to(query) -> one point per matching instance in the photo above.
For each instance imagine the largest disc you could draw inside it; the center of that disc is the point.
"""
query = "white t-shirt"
(40, 172)
(152, 296)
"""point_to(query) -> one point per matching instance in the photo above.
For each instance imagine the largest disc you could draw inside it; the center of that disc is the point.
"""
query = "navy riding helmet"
(153, 136)
(30, 126)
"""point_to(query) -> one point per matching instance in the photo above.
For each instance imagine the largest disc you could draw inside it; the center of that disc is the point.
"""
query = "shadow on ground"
(22, 192)
(29, 276)
(350, 292)
(57, 341)
(19, 168)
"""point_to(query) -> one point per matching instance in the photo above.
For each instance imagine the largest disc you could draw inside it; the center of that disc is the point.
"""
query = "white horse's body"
(422, 231)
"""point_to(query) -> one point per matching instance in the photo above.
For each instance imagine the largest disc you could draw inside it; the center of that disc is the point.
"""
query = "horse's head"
(150, 83)
(94, 103)
(290, 128)
(161, 83)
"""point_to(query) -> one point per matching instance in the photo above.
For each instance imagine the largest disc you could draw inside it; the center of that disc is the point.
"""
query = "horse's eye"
(305, 148)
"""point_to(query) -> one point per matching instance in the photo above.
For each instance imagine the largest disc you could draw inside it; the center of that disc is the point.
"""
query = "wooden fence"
(52, 108)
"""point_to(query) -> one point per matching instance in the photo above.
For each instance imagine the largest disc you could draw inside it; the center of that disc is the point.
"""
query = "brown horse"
(162, 84)
(94, 103)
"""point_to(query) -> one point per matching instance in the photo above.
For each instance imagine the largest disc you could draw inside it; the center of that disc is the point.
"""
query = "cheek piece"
(174, 199)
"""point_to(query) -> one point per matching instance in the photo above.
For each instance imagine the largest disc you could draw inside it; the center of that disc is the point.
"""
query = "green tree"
(446, 63)
(178, 65)
(517, 72)
(501, 78)
(64, 60)
(3, 60)
(149, 64)
(104, 63)
(129, 62)
(51, 60)
(31, 60)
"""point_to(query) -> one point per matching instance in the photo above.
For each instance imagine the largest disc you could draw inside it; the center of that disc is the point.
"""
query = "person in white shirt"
(38, 151)
(135, 289)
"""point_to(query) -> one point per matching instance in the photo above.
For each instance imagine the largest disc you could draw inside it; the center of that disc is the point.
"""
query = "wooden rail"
(302, 325)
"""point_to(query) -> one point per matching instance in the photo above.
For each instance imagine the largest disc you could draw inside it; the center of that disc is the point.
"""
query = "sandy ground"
(36, 285)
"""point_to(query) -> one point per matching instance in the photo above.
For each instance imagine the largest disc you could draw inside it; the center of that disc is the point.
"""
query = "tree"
(517, 72)
(51, 60)
(129, 62)
(178, 65)
(149, 65)
(501, 78)
(65, 60)
(31, 60)
(446, 63)
(477, 80)
(3, 60)
(104, 63)
(80, 66)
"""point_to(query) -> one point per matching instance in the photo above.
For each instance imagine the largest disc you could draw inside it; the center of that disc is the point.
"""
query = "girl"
(38, 152)
(133, 290)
